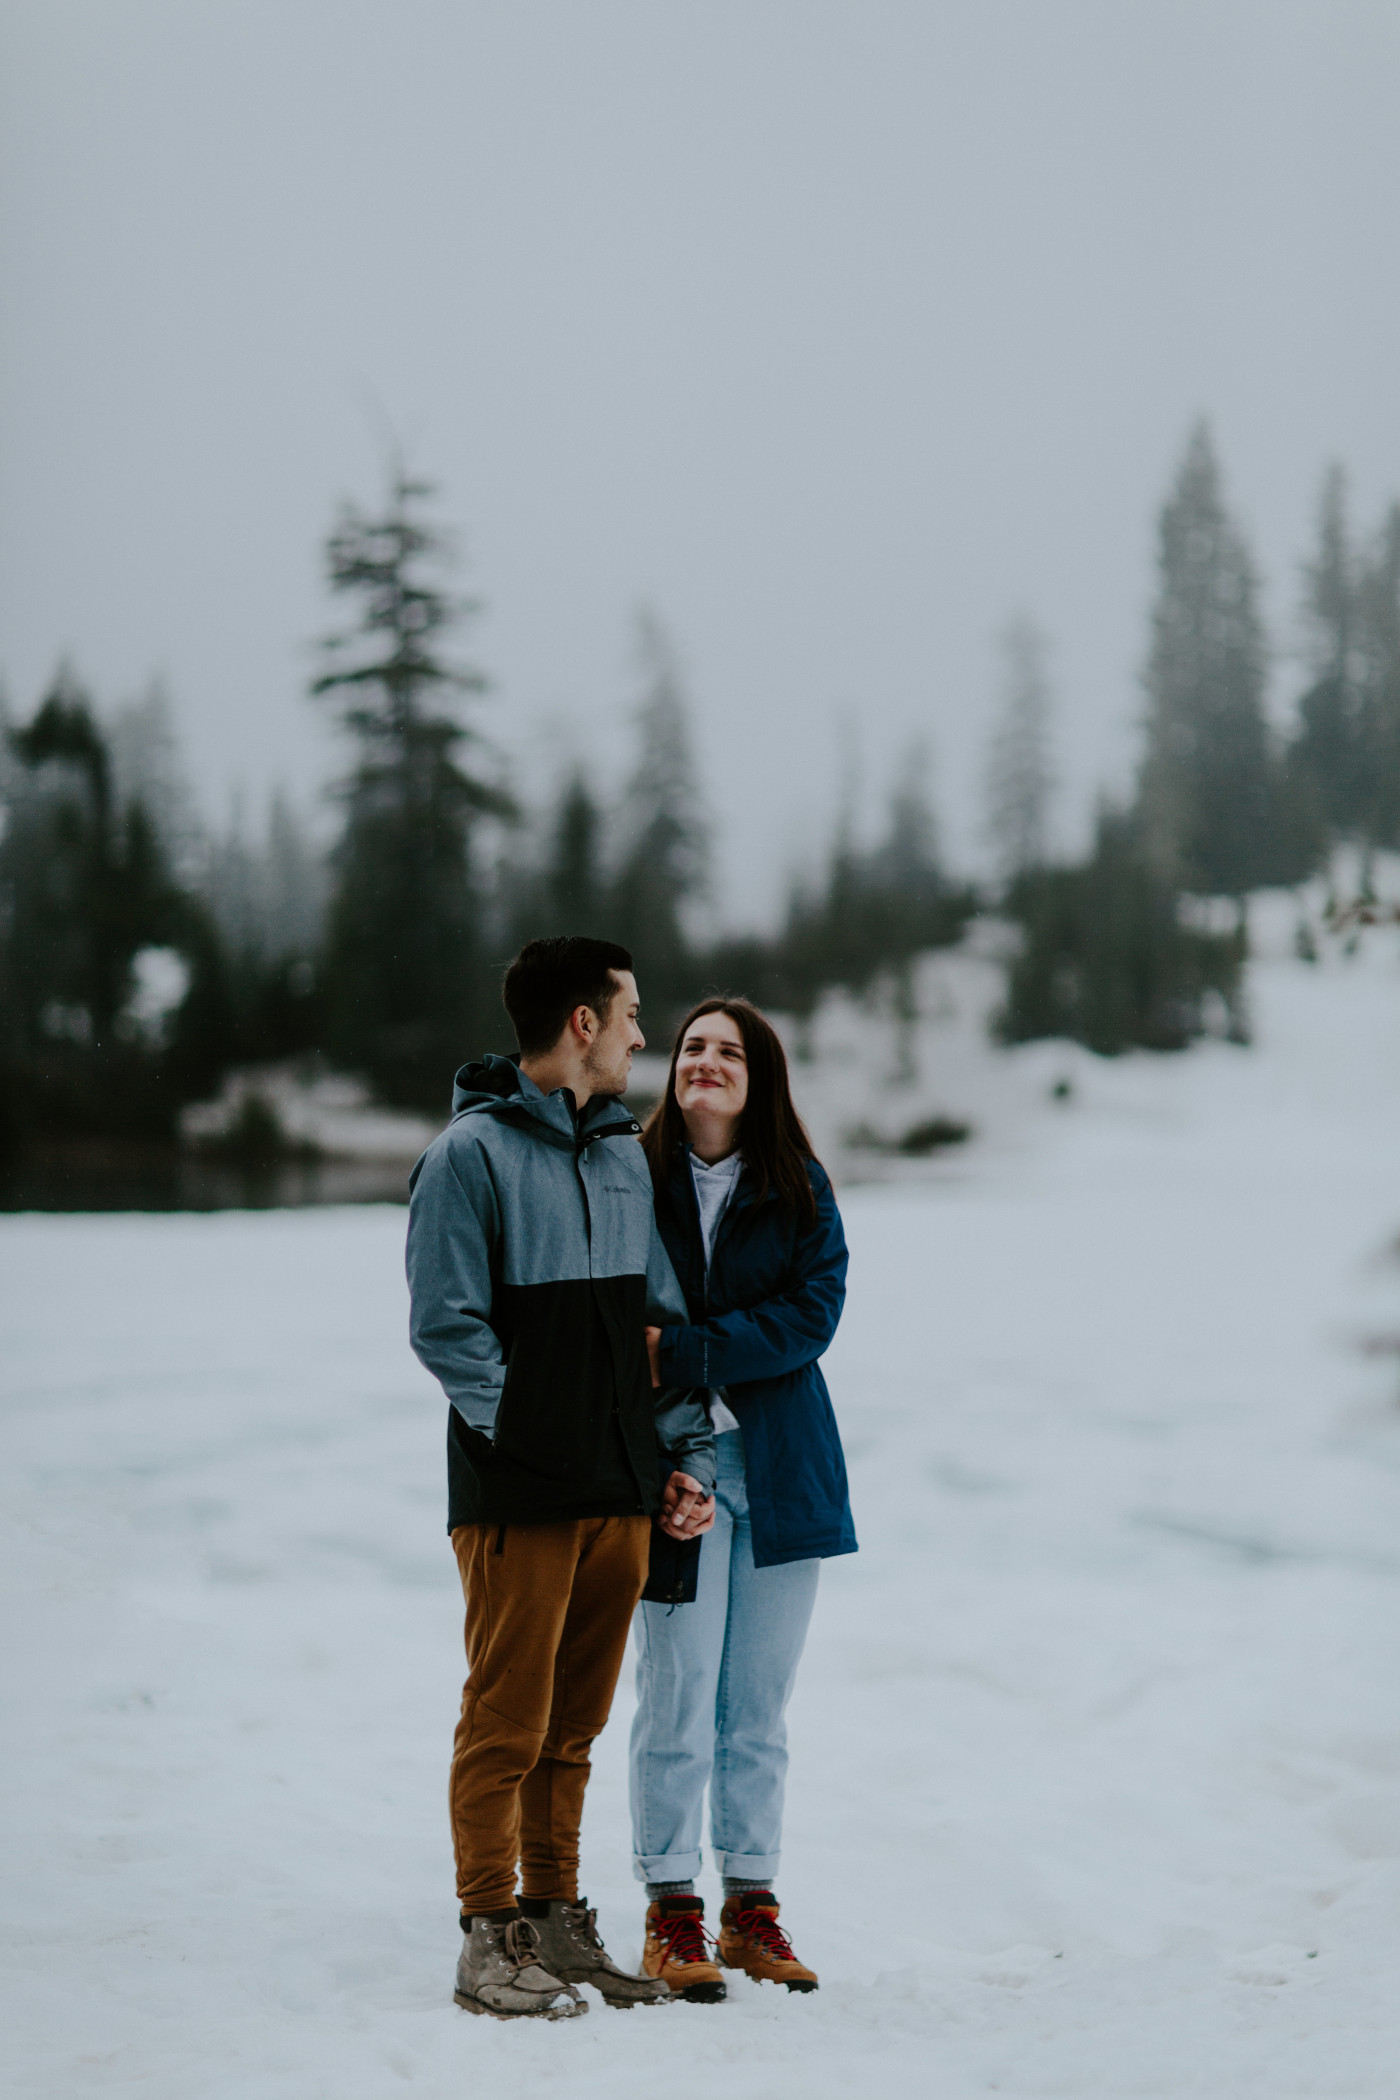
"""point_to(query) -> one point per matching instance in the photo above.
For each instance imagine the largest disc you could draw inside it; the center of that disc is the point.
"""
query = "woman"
(751, 1226)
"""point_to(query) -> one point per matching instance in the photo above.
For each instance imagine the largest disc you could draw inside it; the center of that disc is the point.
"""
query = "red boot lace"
(762, 1926)
(682, 1935)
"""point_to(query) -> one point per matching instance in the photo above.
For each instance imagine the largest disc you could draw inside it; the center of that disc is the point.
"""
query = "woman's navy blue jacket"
(776, 1288)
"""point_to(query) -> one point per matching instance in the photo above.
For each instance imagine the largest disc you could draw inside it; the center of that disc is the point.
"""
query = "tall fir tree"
(405, 967)
(1206, 781)
(556, 881)
(1105, 956)
(1019, 777)
(1378, 601)
(905, 891)
(1327, 759)
(575, 884)
(664, 866)
(879, 908)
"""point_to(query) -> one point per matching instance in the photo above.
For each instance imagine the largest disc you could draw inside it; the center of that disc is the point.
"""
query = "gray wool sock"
(669, 1888)
(734, 1887)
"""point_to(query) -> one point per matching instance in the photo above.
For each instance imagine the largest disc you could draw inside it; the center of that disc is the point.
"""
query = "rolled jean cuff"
(746, 1866)
(666, 1866)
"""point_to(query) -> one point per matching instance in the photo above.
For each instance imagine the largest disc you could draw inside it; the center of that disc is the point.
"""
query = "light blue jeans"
(713, 1682)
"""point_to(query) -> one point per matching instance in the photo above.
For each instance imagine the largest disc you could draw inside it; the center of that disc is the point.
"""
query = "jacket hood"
(497, 1084)
(484, 1081)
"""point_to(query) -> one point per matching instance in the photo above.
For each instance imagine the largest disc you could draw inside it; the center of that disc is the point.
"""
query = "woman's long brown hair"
(775, 1145)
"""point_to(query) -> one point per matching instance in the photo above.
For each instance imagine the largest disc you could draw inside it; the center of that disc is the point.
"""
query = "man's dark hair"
(549, 978)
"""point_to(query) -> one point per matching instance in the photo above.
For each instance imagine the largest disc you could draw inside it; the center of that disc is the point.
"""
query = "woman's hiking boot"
(571, 1948)
(676, 1953)
(500, 1972)
(751, 1939)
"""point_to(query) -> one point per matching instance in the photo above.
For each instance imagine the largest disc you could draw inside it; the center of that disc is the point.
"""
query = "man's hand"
(653, 1335)
(686, 1509)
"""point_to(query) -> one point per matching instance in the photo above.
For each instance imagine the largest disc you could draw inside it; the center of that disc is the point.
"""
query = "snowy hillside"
(1096, 1752)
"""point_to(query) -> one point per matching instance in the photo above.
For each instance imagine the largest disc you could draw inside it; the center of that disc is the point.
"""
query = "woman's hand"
(686, 1509)
(653, 1335)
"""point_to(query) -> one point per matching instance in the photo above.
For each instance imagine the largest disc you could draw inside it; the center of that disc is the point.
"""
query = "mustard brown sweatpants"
(548, 1611)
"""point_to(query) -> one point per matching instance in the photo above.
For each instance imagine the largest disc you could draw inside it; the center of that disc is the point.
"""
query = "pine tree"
(93, 885)
(267, 898)
(405, 970)
(1327, 759)
(85, 888)
(902, 879)
(574, 875)
(877, 909)
(1378, 606)
(1106, 959)
(1019, 779)
(294, 885)
(664, 865)
(267, 895)
(1205, 786)
(146, 768)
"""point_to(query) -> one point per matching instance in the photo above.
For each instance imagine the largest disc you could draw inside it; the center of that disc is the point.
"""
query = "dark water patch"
(115, 1177)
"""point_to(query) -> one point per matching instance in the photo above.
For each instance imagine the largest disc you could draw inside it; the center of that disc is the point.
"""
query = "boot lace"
(682, 1935)
(521, 1942)
(583, 1925)
(762, 1926)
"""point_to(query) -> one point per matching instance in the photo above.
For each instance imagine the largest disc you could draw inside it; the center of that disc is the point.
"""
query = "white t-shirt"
(714, 1190)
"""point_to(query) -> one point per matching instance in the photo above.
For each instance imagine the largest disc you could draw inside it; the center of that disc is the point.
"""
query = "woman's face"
(712, 1072)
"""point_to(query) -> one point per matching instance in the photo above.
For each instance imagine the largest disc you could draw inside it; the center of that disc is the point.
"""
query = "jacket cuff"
(669, 1352)
(479, 1411)
(702, 1466)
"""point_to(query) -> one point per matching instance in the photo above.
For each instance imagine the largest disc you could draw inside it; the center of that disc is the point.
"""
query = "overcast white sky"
(833, 329)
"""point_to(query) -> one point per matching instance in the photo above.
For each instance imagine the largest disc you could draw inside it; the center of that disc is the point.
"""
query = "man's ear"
(583, 1022)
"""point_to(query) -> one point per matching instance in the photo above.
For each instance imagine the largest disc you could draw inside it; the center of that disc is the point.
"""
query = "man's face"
(609, 1059)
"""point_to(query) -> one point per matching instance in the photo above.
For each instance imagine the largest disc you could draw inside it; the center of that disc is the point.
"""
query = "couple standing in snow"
(638, 1433)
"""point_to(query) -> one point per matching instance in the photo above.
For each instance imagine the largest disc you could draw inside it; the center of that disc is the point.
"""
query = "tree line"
(1113, 950)
(140, 958)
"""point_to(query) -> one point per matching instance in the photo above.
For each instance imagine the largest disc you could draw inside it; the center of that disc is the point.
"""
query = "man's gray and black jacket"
(534, 1264)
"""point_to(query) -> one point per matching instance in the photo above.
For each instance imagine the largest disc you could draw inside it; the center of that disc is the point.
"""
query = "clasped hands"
(686, 1509)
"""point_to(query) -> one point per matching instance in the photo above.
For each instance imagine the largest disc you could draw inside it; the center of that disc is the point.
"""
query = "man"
(534, 1267)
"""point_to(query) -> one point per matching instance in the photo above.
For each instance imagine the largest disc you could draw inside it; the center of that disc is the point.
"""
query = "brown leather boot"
(751, 1939)
(675, 1950)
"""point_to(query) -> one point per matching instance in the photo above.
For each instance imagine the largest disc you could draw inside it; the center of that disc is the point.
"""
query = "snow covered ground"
(1096, 1751)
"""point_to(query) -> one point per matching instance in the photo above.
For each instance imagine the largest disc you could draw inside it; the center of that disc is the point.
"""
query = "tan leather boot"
(751, 1939)
(675, 1950)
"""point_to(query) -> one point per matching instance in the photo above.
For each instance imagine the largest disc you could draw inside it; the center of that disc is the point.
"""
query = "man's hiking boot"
(500, 1972)
(675, 1951)
(751, 1939)
(572, 1949)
